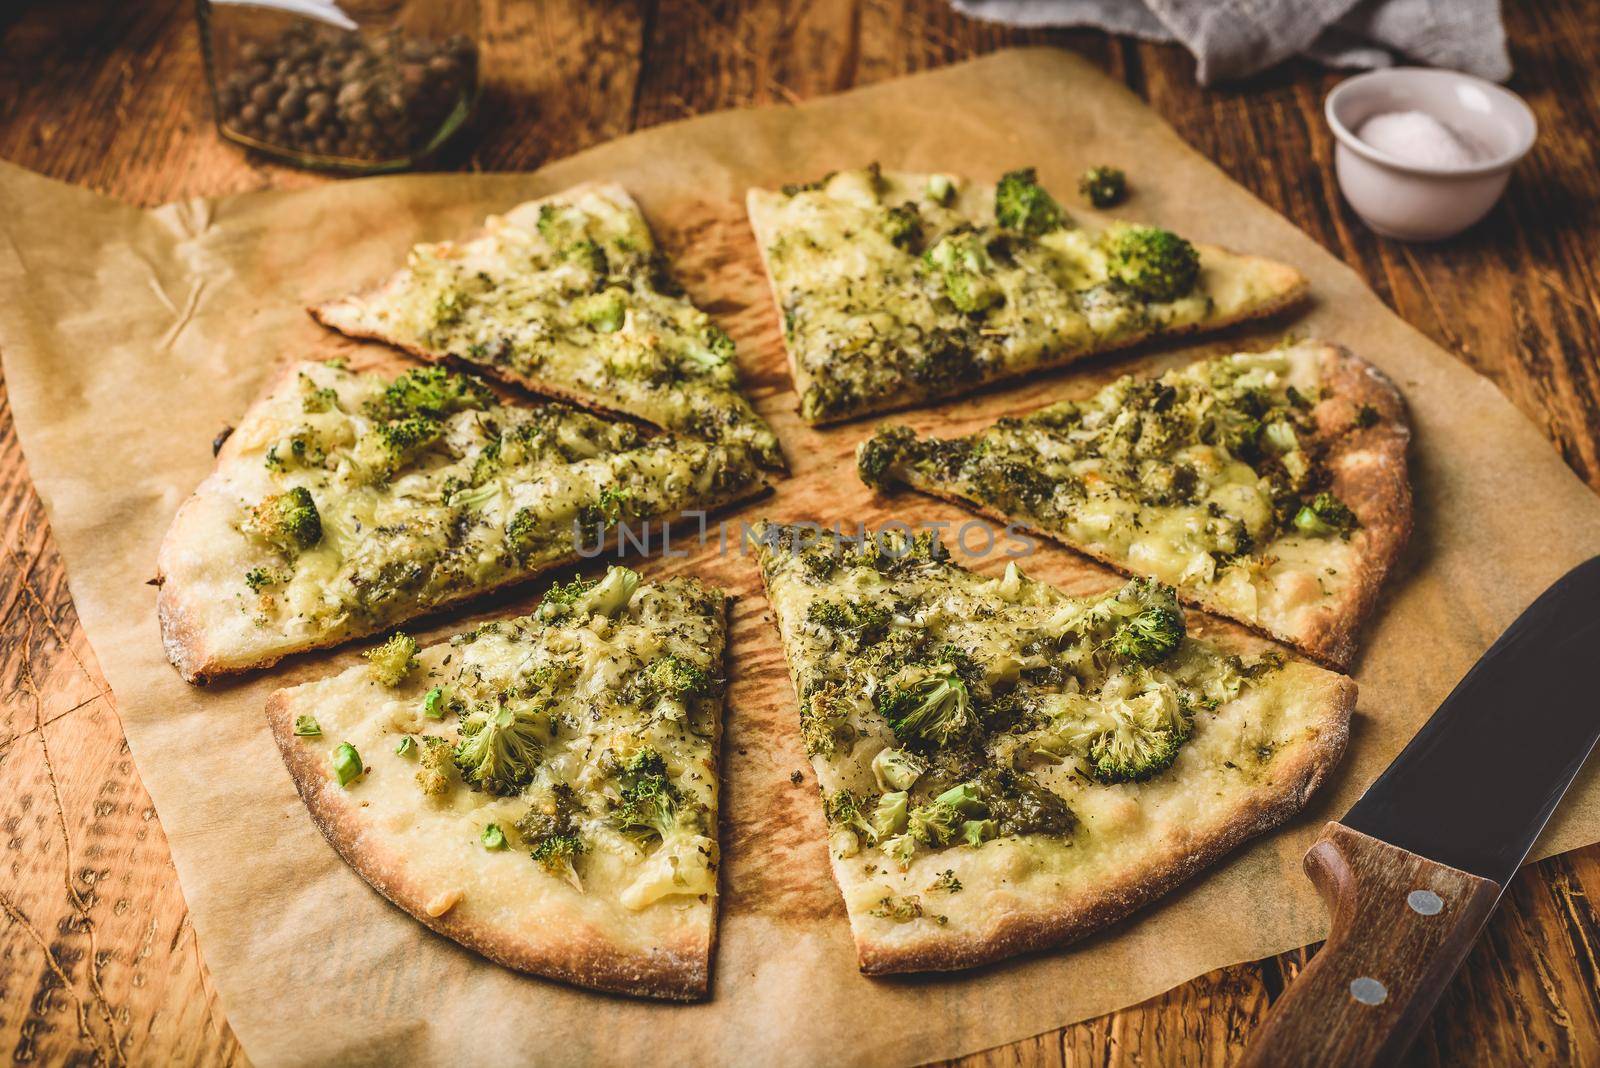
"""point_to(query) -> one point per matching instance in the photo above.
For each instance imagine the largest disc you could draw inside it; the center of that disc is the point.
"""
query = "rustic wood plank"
(111, 96)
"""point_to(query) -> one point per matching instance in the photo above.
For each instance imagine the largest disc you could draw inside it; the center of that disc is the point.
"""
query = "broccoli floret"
(1156, 628)
(876, 456)
(900, 849)
(651, 806)
(605, 312)
(845, 812)
(523, 531)
(430, 392)
(940, 188)
(550, 827)
(1325, 515)
(896, 769)
(934, 712)
(317, 401)
(500, 746)
(582, 598)
(595, 518)
(946, 882)
(1133, 729)
(388, 664)
(676, 678)
(390, 446)
(963, 266)
(1022, 205)
(1153, 263)
(435, 766)
(667, 683)
(889, 817)
(1130, 753)
(558, 854)
(943, 821)
(825, 724)
(586, 253)
(287, 521)
(1103, 186)
(562, 226)
(902, 226)
(866, 623)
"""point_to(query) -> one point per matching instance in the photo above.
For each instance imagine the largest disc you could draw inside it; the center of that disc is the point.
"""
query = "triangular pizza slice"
(1270, 487)
(896, 288)
(542, 789)
(346, 503)
(567, 297)
(1005, 768)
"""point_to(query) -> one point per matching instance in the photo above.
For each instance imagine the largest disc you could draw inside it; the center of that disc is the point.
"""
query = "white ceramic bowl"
(1415, 202)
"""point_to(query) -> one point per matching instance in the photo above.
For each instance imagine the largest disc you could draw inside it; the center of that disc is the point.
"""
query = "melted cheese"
(1042, 656)
(641, 892)
(867, 322)
(391, 549)
(1227, 540)
(568, 292)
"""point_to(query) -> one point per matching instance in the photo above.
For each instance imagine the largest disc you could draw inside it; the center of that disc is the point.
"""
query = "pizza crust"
(1026, 894)
(668, 956)
(1369, 472)
(187, 601)
(352, 316)
(1228, 276)
(1184, 854)
(567, 949)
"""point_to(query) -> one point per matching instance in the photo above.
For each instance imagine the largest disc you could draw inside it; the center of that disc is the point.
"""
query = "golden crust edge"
(181, 636)
(332, 315)
(680, 973)
(1053, 928)
(1333, 642)
(756, 203)
(1291, 284)
(1180, 862)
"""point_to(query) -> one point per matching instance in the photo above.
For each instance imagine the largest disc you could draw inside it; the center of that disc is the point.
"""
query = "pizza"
(1005, 768)
(897, 288)
(1270, 487)
(346, 503)
(567, 297)
(543, 789)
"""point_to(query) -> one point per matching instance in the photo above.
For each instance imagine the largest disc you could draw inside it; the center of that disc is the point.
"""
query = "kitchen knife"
(1413, 870)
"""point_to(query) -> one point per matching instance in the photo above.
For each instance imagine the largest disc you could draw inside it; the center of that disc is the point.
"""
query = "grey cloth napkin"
(1236, 38)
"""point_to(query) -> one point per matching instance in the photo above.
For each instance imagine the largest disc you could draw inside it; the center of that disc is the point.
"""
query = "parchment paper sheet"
(130, 338)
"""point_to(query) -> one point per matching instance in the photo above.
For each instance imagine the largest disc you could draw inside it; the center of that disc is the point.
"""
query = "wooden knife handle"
(1401, 926)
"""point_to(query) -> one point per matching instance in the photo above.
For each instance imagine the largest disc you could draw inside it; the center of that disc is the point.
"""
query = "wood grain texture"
(97, 961)
(1388, 956)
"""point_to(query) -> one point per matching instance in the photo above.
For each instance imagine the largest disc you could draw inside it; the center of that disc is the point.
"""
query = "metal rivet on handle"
(1368, 991)
(1425, 902)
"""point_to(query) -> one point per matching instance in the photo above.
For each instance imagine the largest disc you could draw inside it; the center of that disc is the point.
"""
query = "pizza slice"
(1005, 768)
(567, 297)
(1269, 487)
(542, 789)
(346, 503)
(896, 288)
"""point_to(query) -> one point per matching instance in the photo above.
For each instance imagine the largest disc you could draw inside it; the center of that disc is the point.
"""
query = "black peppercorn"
(364, 99)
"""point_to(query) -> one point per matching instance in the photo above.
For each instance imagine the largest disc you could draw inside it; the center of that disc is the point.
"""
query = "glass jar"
(347, 85)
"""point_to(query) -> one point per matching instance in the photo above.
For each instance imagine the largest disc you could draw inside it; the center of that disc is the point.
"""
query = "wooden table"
(98, 962)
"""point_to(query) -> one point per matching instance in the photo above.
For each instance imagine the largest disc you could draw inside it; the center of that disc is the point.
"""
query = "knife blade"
(1414, 869)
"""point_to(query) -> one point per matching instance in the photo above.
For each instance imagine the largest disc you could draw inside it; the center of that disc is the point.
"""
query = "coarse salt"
(1417, 137)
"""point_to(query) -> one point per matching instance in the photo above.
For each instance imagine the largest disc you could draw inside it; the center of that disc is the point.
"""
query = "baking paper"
(130, 338)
